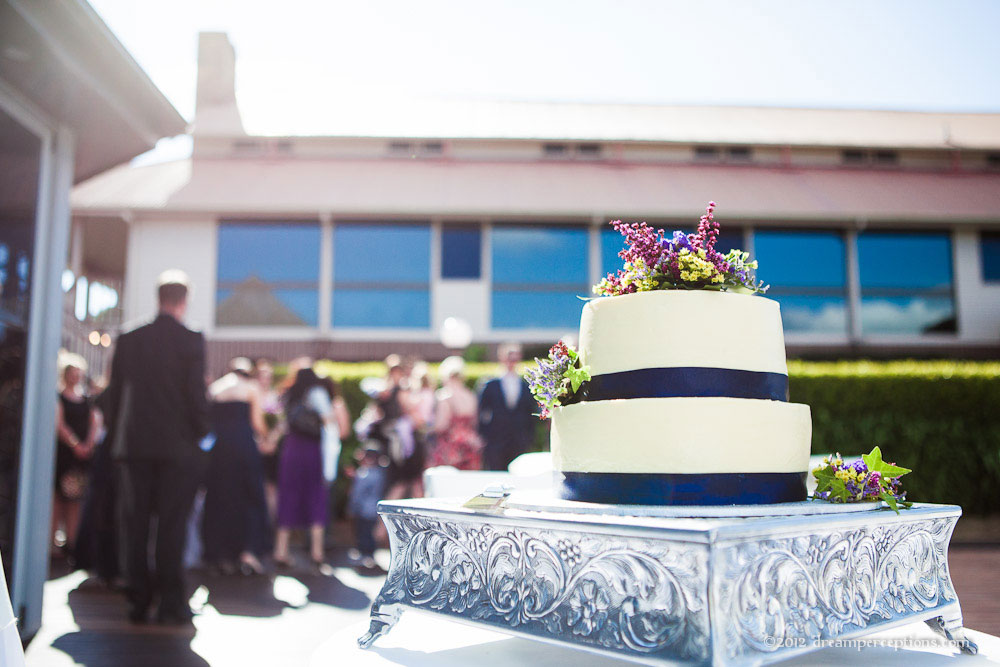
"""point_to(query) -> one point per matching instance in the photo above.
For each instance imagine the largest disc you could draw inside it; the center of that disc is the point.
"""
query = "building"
(364, 232)
(72, 104)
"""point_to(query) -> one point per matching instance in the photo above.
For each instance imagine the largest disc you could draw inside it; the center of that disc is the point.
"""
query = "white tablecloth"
(425, 639)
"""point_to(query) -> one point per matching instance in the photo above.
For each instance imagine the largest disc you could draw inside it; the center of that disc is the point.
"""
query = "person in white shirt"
(506, 413)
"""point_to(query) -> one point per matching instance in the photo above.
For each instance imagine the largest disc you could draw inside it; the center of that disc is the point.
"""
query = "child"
(367, 490)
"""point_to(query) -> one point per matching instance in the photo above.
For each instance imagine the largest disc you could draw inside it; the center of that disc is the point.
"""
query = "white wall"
(157, 245)
(467, 300)
(978, 302)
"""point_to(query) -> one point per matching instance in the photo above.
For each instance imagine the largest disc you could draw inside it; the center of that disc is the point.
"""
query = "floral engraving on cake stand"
(620, 594)
(793, 592)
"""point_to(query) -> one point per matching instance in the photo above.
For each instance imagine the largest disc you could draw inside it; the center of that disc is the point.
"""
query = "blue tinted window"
(898, 259)
(381, 253)
(611, 244)
(254, 304)
(268, 274)
(540, 255)
(381, 275)
(989, 248)
(524, 309)
(538, 273)
(906, 283)
(405, 308)
(807, 275)
(916, 314)
(285, 252)
(461, 251)
(800, 258)
(811, 312)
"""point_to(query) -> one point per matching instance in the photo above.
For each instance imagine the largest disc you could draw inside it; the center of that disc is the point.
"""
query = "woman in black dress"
(235, 526)
(76, 433)
(397, 432)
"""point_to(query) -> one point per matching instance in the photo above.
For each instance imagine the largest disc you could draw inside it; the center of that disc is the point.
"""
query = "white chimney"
(215, 112)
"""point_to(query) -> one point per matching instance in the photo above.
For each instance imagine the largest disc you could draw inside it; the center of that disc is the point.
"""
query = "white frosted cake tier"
(682, 436)
(682, 328)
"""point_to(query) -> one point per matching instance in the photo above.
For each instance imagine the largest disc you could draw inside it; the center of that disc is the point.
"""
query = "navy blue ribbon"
(684, 381)
(736, 488)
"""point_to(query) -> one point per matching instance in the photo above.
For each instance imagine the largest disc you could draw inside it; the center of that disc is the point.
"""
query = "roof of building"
(64, 59)
(499, 189)
(419, 118)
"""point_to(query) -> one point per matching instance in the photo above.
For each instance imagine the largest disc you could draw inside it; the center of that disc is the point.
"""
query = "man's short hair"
(506, 349)
(172, 287)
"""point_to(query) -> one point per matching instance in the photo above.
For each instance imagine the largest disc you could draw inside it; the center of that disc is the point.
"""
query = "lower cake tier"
(682, 451)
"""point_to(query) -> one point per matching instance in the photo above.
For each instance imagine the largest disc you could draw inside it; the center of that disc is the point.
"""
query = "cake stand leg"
(383, 617)
(950, 628)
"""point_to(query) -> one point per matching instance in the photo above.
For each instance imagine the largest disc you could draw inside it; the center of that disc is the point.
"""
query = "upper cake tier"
(682, 328)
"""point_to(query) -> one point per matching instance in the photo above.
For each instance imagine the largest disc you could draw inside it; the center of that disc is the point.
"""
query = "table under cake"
(692, 585)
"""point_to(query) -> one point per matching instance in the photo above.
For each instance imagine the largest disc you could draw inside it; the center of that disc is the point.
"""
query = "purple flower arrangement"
(654, 261)
(868, 478)
(556, 380)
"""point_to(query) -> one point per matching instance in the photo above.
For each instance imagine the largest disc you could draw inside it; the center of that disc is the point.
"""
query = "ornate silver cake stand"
(719, 586)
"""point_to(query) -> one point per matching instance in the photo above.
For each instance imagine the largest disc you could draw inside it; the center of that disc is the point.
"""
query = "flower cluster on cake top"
(555, 380)
(655, 261)
(868, 478)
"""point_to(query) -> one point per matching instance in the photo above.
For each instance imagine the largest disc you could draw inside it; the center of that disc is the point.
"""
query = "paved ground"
(245, 621)
(281, 620)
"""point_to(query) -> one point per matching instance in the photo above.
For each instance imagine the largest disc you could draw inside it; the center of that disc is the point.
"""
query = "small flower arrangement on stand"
(654, 261)
(557, 379)
(866, 479)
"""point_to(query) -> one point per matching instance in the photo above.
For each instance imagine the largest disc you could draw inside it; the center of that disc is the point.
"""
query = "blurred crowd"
(276, 442)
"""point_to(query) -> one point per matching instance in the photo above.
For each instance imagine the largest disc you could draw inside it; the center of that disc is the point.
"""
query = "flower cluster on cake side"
(557, 378)
(866, 479)
(655, 261)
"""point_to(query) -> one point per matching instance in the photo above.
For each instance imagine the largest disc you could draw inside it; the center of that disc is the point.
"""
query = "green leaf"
(826, 479)
(876, 464)
(577, 376)
(890, 500)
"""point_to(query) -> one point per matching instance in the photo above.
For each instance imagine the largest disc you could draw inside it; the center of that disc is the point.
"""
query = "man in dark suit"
(506, 413)
(158, 414)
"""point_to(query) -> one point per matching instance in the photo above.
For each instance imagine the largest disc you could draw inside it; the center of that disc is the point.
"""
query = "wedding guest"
(424, 398)
(271, 404)
(302, 490)
(158, 411)
(457, 442)
(398, 434)
(235, 525)
(76, 434)
(506, 408)
(367, 489)
(97, 542)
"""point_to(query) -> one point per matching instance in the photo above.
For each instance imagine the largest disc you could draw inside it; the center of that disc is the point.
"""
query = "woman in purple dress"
(310, 405)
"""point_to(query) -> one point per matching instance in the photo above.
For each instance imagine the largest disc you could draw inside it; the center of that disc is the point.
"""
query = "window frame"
(982, 237)
(368, 285)
(843, 291)
(582, 287)
(289, 329)
(461, 226)
(889, 292)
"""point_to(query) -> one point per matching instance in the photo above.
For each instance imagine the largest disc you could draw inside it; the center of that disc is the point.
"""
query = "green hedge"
(940, 418)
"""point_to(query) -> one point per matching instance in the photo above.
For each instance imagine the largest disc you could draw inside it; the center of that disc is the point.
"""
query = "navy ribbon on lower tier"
(737, 488)
(685, 382)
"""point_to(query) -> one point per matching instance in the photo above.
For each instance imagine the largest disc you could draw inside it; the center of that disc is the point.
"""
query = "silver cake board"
(738, 585)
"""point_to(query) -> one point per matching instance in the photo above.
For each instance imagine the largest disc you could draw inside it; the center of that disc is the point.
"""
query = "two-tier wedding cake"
(679, 392)
(684, 405)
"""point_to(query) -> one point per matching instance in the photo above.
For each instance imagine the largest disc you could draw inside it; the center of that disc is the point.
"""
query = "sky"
(877, 54)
